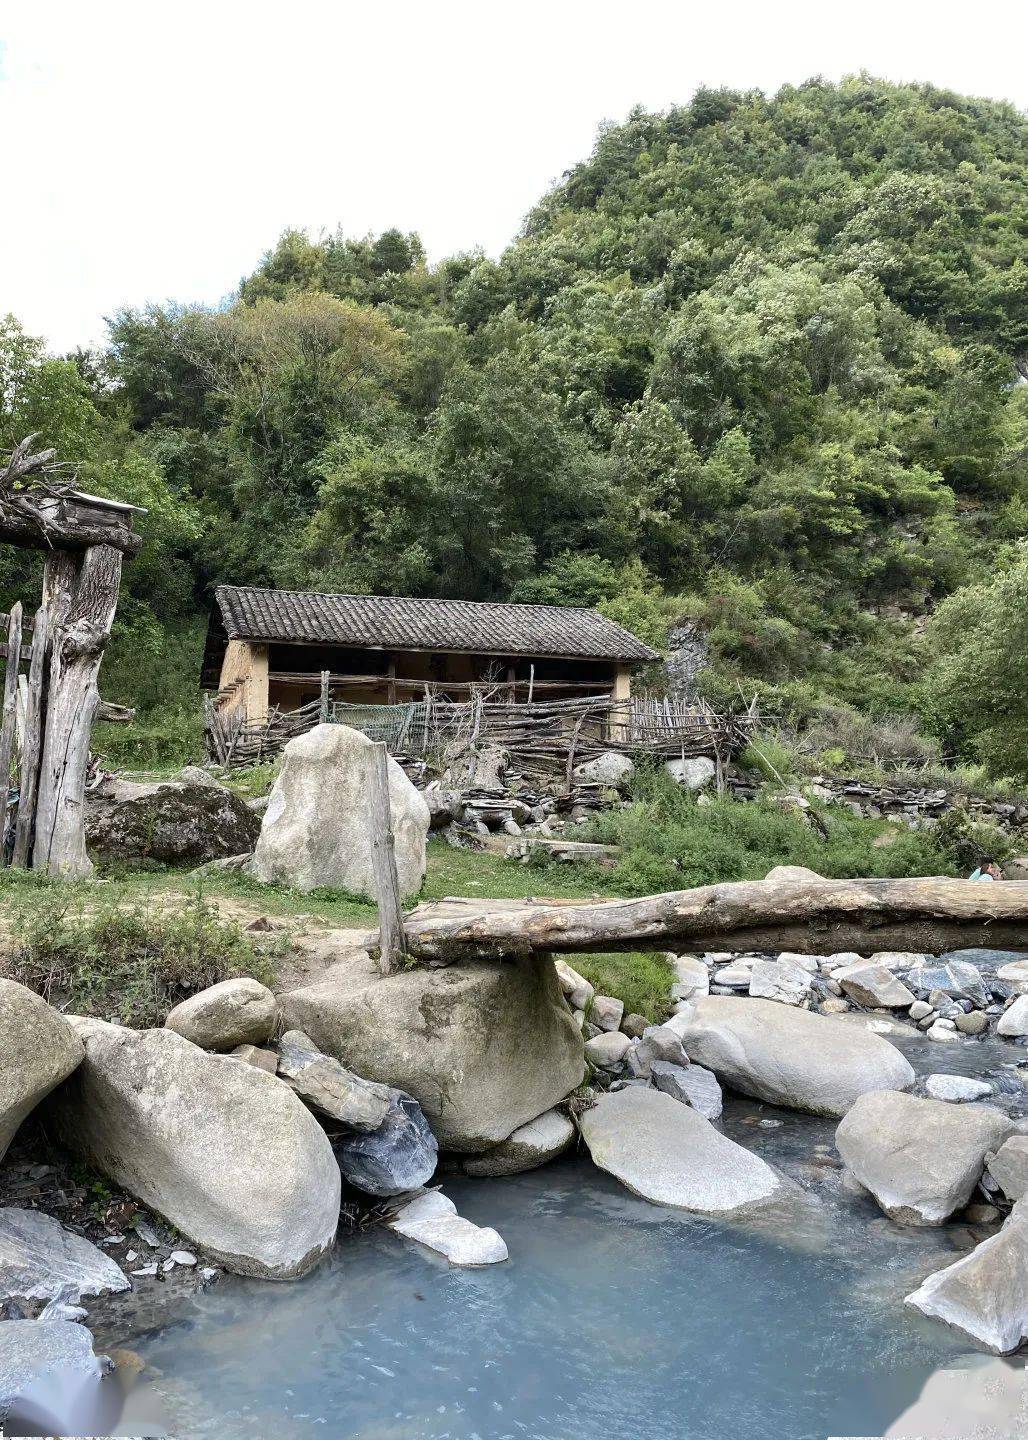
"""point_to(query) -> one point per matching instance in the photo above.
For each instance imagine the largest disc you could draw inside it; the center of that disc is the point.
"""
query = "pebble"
(183, 1257)
(146, 1271)
(147, 1234)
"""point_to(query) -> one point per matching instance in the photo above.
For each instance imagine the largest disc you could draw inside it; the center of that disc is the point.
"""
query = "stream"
(612, 1316)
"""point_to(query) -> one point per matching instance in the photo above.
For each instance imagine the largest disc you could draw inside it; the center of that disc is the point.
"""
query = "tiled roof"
(389, 622)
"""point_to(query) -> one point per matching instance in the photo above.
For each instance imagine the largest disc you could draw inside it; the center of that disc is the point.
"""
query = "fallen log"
(815, 916)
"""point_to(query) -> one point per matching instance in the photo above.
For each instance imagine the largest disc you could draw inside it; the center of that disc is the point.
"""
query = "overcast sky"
(153, 151)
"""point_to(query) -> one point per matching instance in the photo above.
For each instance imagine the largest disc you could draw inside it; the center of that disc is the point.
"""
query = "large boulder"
(317, 829)
(920, 1159)
(234, 1012)
(1009, 1167)
(224, 1151)
(40, 1260)
(668, 1153)
(431, 1219)
(483, 1048)
(186, 821)
(788, 1056)
(35, 1350)
(985, 1295)
(873, 985)
(328, 1086)
(610, 768)
(694, 773)
(1014, 1020)
(38, 1049)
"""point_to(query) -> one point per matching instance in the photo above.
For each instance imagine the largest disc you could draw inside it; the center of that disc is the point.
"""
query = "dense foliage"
(754, 362)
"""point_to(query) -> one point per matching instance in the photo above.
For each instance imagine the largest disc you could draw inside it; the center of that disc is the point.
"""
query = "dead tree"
(813, 916)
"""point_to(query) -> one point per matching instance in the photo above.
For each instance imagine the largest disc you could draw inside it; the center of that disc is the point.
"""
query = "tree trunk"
(820, 917)
(84, 614)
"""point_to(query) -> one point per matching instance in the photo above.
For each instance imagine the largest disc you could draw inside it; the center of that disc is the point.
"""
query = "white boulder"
(920, 1159)
(40, 1260)
(779, 980)
(233, 1012)
(431, 1219)
(985, 1295)
(692, 978)
(669, 1154)
(38, 1049)
(607, 1049)
(577, 990)
(35, 1350)
(788, 1056)
(874, 985)
(317, 829)
(609, 768)
(695, 773)
(958, 1089)
(1014, 1020)
(1009, 1167)
(530, 1146)
(224, 1151)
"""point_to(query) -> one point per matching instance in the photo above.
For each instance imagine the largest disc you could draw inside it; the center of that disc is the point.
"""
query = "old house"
(271, 648)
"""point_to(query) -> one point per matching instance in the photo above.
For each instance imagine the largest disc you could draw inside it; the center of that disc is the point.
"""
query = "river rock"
(920, 1159)
(432, 1220)
(40, 1260)
(1009, 1167)
(874, 985)
(1014, 1020)
(609, 768)
(576, 988)
(1015, 974)
(329, 1087)
(779, 980)
(317, 829)
(234, 1012)
(530, 1146)
(38, 1049)
(484, 1048)
(399, 1155)
(223, 1151)
(33, 1349)
(694, 773)
(985, 1295)
(943, 1030)
(668, 1153)
(689, 1084)
(790, 1057)
(973, 1022)
(958, 980)
(692, 978)
(956, 1088)
(606, 1012)
(607, 1049)
(659, 1042)
(265, 1060)
(189, 820)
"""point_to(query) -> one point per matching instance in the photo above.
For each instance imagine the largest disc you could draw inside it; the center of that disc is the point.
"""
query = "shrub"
(129, 964)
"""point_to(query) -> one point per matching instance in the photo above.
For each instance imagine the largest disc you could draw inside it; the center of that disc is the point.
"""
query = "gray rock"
(635, 1026)
(1015, 974)
(31, 1350)
(223, 1151)
(920, 1010)
(788, 1056)
(920, 1159)
(531, 1145)
(400, 1155)
(607, 1049)
(898, 959)
(1009, 1167)
(874, 985)
(956, 1088)
(40, 1260)
(606, 1012)
(958, 980)
(975, 1022)
(432, 1220)
(695, 773)
(328, 1086)
(38, 1049)
(575, 988)
(669, 1154)
(265, 1060)
(735, 977)
(692, 978)
(691, 1084)
(185, 821)
(234, 1012)
(483, 1048)
(779, 980)
(942, 1030)
(659, 1042)
(317, 829)
(1014, 1020)
(608, 768)
(985, 1295)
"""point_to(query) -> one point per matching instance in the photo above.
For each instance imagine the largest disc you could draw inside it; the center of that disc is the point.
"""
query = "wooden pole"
(10, 714)
(815, 916)
(392, 943)
(32, 743)
(323, 709)
(76, 653)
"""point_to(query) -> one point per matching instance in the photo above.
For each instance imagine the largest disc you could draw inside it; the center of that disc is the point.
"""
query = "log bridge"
(809, 916)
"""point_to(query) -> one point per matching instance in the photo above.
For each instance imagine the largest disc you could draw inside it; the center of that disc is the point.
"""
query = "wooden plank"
(10, 715)
(392, 945)
(32, 743)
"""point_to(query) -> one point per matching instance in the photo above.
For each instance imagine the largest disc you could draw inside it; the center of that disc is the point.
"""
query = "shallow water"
(612, 1317)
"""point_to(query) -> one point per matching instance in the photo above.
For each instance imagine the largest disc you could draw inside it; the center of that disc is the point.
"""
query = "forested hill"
(754, 362)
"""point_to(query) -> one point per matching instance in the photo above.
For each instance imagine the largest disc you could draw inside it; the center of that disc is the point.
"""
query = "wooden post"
(323, 706)
(76, 653)
(392, 943)
(391, 681)
(10, 713)
(32, 742)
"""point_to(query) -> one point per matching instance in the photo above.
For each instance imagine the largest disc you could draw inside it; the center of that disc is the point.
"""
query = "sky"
(152, 152)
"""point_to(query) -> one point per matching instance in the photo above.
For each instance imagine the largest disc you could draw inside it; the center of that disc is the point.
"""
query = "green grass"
(642, 980)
